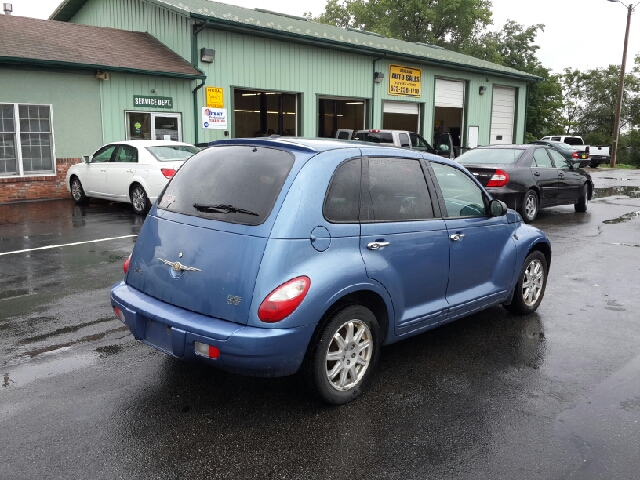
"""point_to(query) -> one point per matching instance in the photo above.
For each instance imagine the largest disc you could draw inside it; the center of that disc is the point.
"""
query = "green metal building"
(275, 73)
(197, 71)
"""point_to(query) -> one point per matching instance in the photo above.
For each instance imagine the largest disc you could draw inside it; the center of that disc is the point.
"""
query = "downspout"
(194, 62)
(373, 87)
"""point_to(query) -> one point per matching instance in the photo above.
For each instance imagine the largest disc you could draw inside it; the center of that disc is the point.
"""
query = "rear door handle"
(456, 237)
(103, 171)
(377, 245)
(537, 174)
(561, 175)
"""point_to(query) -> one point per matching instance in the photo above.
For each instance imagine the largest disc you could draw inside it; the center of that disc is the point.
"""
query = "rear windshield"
(490, 156)
(374, 137)
(565, 147)
(573, 141)
(173, 153)
(235, 184)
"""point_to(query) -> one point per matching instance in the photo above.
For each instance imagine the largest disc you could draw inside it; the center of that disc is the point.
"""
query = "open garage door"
(449, 111)
(503, 115)
(401, 116)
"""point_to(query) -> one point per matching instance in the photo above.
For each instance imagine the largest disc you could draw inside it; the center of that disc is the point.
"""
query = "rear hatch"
(201, 246)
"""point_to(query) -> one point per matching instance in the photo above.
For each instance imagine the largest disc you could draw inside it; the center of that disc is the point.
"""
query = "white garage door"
(503, 115)
(449, 93)
(407, 108)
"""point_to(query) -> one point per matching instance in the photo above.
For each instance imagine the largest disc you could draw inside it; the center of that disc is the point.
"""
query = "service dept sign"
(405, 81)
(214, 118)
(152, 102)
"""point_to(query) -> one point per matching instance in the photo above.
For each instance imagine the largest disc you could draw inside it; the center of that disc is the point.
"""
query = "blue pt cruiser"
(272, 256)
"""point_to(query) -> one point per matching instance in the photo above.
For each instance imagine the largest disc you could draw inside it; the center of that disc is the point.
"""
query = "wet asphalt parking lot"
(553, 395)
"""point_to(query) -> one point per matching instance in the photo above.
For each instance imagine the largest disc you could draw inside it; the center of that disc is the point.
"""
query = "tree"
(448, 23)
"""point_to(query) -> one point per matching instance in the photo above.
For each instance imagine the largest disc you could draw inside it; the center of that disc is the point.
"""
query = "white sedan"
(134, 171)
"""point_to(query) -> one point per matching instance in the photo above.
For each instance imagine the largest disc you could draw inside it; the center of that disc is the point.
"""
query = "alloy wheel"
(348, 355)
(139, 199)
(533, 282)
(76, 190)
(531, 206)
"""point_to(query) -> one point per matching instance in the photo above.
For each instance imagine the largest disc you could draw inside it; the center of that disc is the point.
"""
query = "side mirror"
(498, 208)
(86, 159)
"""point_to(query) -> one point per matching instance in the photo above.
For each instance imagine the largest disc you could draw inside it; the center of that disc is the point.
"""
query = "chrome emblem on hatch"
(178, 267)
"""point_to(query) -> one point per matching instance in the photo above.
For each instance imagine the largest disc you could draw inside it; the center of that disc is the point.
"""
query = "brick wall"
(13, 189)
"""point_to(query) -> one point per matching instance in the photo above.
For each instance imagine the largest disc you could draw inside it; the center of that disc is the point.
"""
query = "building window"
(33, 153)
(260, 114)
(154, 126)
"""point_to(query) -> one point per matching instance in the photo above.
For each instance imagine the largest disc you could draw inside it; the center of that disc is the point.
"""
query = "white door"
(449, 93)
(503, 115)
(94, 179)
(121, 170)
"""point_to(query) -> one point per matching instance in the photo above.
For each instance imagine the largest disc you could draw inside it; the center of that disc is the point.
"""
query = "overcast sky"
(578, 34)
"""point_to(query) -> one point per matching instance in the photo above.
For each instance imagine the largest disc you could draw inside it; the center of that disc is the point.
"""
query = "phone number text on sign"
(406, 81)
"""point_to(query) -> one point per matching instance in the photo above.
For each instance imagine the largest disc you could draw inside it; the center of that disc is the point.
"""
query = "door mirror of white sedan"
(498, 208)
(86, 158)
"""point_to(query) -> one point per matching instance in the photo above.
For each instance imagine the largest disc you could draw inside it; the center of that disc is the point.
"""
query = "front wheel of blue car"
(342, 361)
(531, 285)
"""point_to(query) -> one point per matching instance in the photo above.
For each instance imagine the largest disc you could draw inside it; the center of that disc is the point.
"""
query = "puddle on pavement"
(109, 350)
(63, 330)
(623, 218)
(22, 374)
(632, 192)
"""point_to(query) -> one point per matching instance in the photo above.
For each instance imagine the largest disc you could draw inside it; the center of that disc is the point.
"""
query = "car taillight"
(205, 350)
(500, 179)
(119, 314)
(168, 172)
(125, 267)
(284, 300)
(575, 155)
(374, 131)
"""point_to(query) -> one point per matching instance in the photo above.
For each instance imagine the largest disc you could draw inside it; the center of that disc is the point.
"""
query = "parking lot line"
(48, 247)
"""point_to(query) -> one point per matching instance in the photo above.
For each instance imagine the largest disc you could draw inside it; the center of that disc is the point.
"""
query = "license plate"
(158, 334)
(583, 156)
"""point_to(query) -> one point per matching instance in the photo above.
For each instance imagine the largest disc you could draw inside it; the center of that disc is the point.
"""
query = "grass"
(621, 166)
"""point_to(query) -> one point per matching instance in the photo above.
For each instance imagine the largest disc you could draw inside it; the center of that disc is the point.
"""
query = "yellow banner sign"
(405, 81)
(214, 97)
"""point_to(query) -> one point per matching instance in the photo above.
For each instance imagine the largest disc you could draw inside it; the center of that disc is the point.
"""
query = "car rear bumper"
(513, 198)
(263, 352)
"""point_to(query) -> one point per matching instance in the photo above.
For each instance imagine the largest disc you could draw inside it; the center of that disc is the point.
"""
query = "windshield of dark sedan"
(375, 137)
(173, 153)
(235, 184)
(491, 156)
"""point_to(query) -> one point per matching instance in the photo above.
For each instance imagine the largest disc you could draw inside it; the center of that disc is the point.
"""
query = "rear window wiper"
(223, 209)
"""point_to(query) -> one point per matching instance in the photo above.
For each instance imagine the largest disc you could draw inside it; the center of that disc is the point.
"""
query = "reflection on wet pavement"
(623, 218)
(633, 192)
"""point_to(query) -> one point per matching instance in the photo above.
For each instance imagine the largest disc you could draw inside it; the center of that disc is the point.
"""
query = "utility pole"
(616, 126)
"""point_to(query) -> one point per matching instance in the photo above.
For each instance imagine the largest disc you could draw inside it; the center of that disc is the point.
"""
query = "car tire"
(77, 192)
(530, 206)
(338, 371)
(139, 200)
(531, 285)
(583, 201)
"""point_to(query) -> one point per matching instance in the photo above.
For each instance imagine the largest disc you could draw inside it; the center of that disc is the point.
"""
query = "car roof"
(518, 146)
(148, 143)
(311, 145)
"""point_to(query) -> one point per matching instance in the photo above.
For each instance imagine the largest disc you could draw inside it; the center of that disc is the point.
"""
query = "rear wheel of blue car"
(342, 361)
(531, 285)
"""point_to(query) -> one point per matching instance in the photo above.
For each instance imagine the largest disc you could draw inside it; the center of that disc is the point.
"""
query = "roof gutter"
(88, 66)
(194, 63)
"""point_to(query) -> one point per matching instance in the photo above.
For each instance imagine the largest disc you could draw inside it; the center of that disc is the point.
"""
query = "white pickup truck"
(599, 153)
(405, 139)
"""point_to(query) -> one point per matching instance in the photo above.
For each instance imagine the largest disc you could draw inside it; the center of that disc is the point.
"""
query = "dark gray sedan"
(529, 177)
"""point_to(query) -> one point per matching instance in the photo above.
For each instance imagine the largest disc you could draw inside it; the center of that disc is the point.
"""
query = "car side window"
(555, 139)
(404, 140)
(104, 154)
(342, 202)
(462, 196)
(559, 160)
(541, 159)
(396, 191)
(126, 153)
